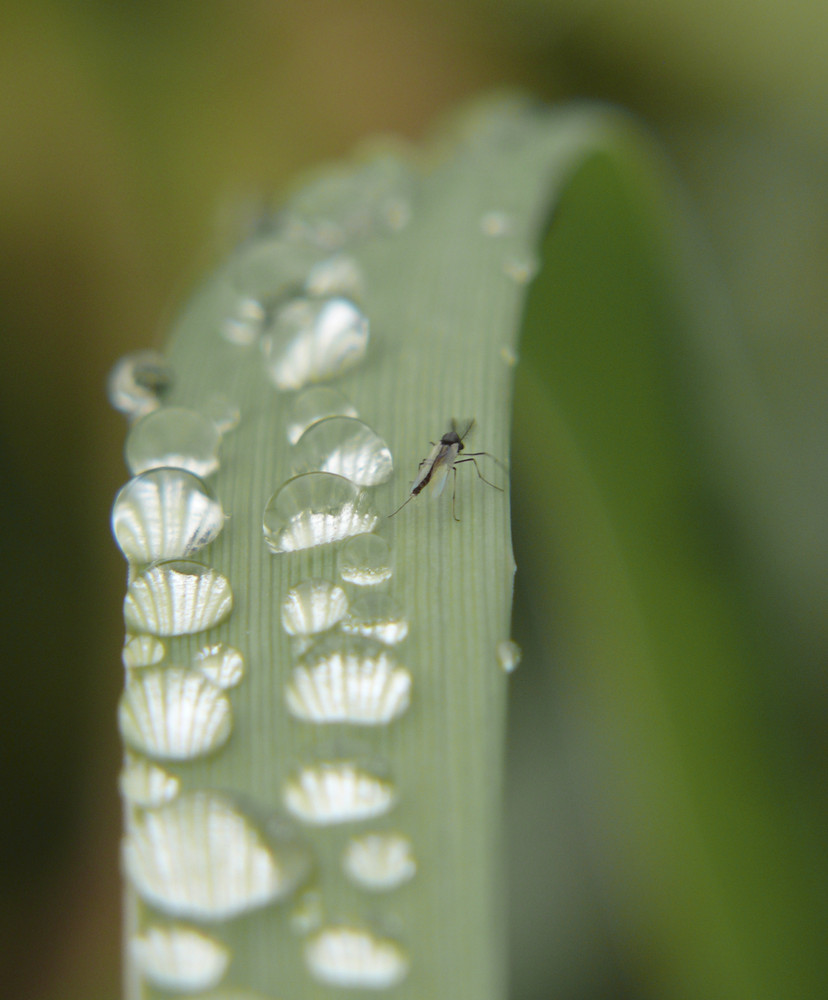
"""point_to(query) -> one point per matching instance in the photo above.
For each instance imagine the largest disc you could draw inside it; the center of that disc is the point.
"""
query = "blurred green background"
(136, 139)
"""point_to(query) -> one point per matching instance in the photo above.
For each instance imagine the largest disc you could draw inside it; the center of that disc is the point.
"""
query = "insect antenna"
(408, 499)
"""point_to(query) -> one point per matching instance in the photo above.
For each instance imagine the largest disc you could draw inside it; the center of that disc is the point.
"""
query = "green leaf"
(642, 663)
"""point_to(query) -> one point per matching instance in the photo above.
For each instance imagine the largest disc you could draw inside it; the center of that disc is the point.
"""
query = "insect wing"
(442, 466)
(426, 468)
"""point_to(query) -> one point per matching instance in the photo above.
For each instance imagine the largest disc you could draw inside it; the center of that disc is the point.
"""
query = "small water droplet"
(243, 320)
(179, 959)
(308, 913)
(365, 560)
(379, 861)
(313, 405)
(396, 214)
(201, 857)
(142, 651)
(337, 792)
(165, 514)
(173, 714)
(348, 680)
(353, 958)
(314, 509)
(508, 654)
(147, 785)
(224, 413)
(376, 616)
(137, 383)
(313, 606)
(345, 447)
(521, 268)
(508, 356)
(337, 275)
(496, 223)
(312, 340)
(223, 665)
(173, 436)
(177, 598)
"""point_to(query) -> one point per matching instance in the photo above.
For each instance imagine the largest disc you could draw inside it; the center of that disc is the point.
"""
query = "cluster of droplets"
(198, 857)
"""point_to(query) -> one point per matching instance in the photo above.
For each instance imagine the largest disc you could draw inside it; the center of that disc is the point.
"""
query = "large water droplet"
(314, 509)
(314, 340)
(165, 514)
(508, 655)
(177, 598)
(313, 405)
(142, 651)
(200, 857)
(172, 713)
(173, 436)
(145, 784)
(365, 560)
(353, 958)
(346, 447)
(265, 270)
(313, 606)
(137, 383)
(353, 202)
(350, 681)
(223, 665)
(224, 413)
(379, 861)
(338, 275)
(376, 616)
(179, 959)
(337, 792)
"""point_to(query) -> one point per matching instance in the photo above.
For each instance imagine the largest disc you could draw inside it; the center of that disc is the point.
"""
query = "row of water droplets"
(198, 857)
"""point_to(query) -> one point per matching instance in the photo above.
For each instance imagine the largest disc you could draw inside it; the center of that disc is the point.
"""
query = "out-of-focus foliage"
(135, 142)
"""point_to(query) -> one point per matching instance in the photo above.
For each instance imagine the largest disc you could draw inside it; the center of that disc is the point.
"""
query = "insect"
(444, 459)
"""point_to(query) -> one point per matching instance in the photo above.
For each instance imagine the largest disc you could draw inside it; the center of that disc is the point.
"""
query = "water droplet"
(365, 560)
(313, 405)
(379, 861)
(200, 857)
(142, 651)
(337, 792)
(376, 616)
(353, 958)
(224, 413)
(353, 202)
(508, 356)
(313, 606)
(314, 509)
(314, 340)
(173, 436)
(147, 785)
(521, 268)
(264, 270)
(345, 447)
(308, 913)
(179, 959)
(496, 223)
(350, 681)
(137, 383)
(173, 713)
(338, 275)
(242, 321)
(177, 598)
(508, 655)
(223, 665)
(165, 514)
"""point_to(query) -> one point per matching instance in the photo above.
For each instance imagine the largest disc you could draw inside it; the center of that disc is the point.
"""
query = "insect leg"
(454, 493)
(479, 473)
(470, 454)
